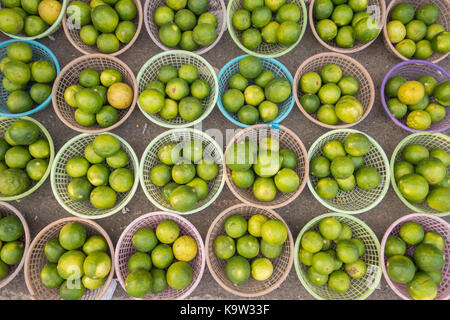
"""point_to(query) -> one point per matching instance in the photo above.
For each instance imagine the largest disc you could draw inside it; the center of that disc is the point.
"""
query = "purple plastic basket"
(412, 70)
(428, 223)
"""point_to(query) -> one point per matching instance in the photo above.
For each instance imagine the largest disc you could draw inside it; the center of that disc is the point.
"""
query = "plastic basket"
(232, 67)
(429, 141)
(377, 8)
(350, 67)
(216, 7)
(412, 70)
(69, 76)
(178, 58)
(428, 223)
(36, 260)
(264, 50)
(444, 8)
(125, 249)
(252, 288)
(72, 32)
(357, 200)
(60, 179)
(288, 140)
(150, 159)
(5, 123)
(40, 52)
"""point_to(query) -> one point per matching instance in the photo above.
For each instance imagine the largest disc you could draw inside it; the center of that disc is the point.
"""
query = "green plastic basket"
(60, 179)
(178, 58)
(150, 159)
(5, 123)
(429, 141)
(357, 200)
(265, 50)
(360, 288)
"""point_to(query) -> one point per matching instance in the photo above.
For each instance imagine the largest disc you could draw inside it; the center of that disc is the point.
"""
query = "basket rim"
(175, 53)
(234, 291)
(388, 76)
(116, 208)
(148, 150)
(41, 233)
(73, 63)
(266, 55)
(118, 52)
(279, 119)
(267, 205)
(383, 244)
(308, 226)
(397, 149)
(389, 45)
(386, 165)
(354, 62)
(150, 215)
(50, 159)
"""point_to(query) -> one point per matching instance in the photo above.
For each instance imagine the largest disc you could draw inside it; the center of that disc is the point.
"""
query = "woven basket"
(428, 223)
(412, 70)
(69, 76)
(125, 249)
(350, 67)
(8, 210)
(357, 200)
(40, 52)
(265, 50)
(178, 58)
(444, 7)
(252, 288)
(288, 140)
(216, 7)
(5, 123)
(72, 32)
(360, 288)
(60, 179)
(429, 141)
(150, 159)
(232, 67)
(36, 260)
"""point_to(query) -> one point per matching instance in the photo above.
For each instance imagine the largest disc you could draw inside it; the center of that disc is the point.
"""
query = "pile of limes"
(98, 97)
(100, 174)
(184, 173)
(257, 240)
(29, 83)
(255, 93)
(422, 176)
(185, 91)
(274, 168)
(416, 33)
(105, 24)
(268, 21)
(186, 23)
(332, 255)
(421, 272)
(32, 17)
(341, 167)
(345, 22)
(12, 249)
(152, 268)
(421, 101)
(330, 95)
(23, 157)
(75, 262)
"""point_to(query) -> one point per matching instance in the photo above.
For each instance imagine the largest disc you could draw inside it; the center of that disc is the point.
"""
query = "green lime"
(404, 12)
(103, 197)
(433, 30)
(88, 100)
(427, 13)
(412, 233)
(106, 145)
(396, 31)
(91, 156)
(269, 32)
(397, 108)
(322, 9)
(238, 81)
(290, 159)
(193, 151)
(237, 270)
(243, 179)
(182, 173)
(349, 85)
(357, 144)
(262, 269)
(139, 261)
(422, 287)
(144, 239)
(95, 243)
(43, 71)
(329, 93)
(233, 100)
(310, 82)
(162, 256)
(247, 246)
(333, 149)
(190, 108)
(77, 167)
(288, 33)
(342, 167)
(326, 29)
(394, 246)
(159, 282)
(125, 31)
(287, 180)
(138, 283)
(312, 241)
(224, 247)
(17, 72)
(342, 15)
(19, 101)
(121, 180)
(330, 228)
(251, 38)
(49, 276)
(268, 111)
(84, 118)
(204, 34)
(36, 169)
(207, 169)
(185, 248)
(185, 19)
(320, 167)
(208, 18)
(163, 15)
(79, 189)
(367, 178)
(326, 114)
(274, 232)
(406, 47)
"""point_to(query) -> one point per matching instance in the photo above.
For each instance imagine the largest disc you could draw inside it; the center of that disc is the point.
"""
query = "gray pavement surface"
(41, 208)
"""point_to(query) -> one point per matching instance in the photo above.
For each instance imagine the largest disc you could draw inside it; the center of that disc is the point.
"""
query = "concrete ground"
(41, 208)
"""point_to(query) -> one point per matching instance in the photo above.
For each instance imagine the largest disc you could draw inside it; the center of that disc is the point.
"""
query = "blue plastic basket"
(278, 69)
(40, 52)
